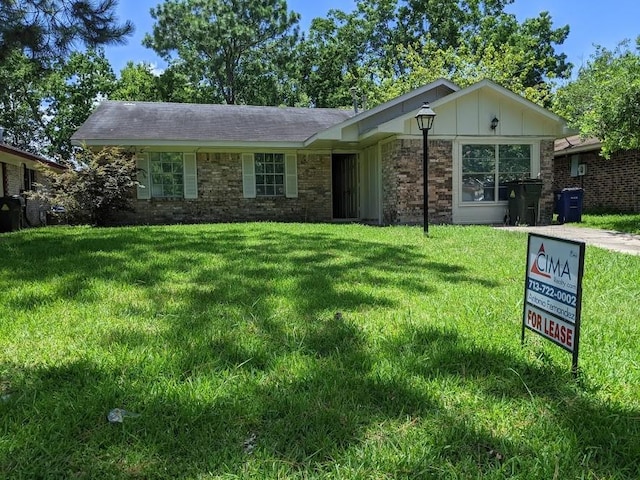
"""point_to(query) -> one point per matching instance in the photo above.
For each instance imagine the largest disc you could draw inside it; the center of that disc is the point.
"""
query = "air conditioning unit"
(582, 169)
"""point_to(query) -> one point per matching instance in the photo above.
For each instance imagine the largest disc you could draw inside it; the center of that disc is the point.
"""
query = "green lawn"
(225, 340)
(629, 223)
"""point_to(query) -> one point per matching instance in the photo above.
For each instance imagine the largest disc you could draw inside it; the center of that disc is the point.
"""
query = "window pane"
(515, 161)
(167, 175)
(515, 164)
(478, 159)
(478, 173)
(269, 174)
(477, 188)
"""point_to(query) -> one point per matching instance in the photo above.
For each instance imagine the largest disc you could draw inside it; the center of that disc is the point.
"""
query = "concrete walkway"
(609, 239)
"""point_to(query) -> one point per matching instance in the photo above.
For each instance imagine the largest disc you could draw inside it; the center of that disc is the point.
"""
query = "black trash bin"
(524, 199)
(10, 214)
(568, 204)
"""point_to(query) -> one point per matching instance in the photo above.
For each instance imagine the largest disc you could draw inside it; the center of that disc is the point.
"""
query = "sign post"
(553, 291)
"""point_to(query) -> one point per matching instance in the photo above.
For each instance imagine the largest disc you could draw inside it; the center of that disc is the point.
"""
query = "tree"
(604, 100)
(20, 98)
(503, 65)
(72, 90)
(47, 29)
(237, 48)
(96, 190)
(42, 109)
(372, 46)
(137, 82)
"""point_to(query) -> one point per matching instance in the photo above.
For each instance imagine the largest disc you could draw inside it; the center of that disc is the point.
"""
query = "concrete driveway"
(609, 239)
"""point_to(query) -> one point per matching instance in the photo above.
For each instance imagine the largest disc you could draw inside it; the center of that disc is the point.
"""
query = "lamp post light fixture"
(425, 117)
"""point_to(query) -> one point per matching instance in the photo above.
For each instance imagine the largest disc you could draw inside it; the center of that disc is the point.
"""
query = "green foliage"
(503, 65)
(620, 222)
(604, 101)
(225, 340)
(73, 89)
(386, 42)
(41, 109)
(45, 30)
(96, 190)
(20, 100)
(238, 50)
(137, 82)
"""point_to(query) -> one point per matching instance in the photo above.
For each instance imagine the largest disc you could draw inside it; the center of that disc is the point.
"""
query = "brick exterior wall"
(220, 197)
(547, 176)
(609, 185)
(402, 182)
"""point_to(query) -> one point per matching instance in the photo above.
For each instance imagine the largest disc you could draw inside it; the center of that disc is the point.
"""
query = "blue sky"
(602, 23)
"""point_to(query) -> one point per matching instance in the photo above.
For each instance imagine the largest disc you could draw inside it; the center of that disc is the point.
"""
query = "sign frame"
(553, 291)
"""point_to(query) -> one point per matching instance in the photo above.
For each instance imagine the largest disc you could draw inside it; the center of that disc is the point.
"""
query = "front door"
(345, 186)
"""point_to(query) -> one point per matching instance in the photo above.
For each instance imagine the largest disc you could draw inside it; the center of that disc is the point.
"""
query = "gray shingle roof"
(207, 123)
(575, 142)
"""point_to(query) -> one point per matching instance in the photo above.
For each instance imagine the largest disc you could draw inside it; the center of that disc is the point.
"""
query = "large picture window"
(487, 168)
(269, 174)
(167, 175)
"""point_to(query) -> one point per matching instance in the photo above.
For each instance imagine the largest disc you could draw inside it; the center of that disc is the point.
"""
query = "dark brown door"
(345, 186)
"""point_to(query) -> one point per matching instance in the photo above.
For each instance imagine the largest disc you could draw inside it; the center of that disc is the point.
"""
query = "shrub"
(97, 188)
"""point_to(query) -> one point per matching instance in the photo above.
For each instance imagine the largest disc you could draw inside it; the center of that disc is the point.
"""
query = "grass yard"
(629, 223)
(224, 339)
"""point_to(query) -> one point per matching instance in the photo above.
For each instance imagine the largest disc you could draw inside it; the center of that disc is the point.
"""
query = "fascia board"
(186, 144)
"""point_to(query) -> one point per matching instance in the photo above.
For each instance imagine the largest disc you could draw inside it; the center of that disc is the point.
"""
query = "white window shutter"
(248, 176)
(143, 176)
(190, 175)
(291, 175)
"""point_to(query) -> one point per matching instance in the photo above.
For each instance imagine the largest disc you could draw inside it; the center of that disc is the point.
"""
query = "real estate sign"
(553, 291)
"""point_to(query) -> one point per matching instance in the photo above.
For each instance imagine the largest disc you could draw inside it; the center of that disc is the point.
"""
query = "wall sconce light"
(494, 123)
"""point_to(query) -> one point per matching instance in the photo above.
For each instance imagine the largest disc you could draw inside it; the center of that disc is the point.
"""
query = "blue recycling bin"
(568, 204)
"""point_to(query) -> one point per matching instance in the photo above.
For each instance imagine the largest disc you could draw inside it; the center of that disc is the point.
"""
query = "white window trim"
(189, 178)
(535, 163)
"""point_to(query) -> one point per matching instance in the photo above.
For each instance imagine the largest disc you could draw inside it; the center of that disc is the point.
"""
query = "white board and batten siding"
(467, 120)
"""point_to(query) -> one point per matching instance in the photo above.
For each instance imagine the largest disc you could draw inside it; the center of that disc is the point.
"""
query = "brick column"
(402, 197)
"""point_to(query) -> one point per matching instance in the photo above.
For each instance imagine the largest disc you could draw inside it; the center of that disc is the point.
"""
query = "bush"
(95, 190)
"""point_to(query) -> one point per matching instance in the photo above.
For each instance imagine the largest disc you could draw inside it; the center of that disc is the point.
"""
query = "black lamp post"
(425, 118)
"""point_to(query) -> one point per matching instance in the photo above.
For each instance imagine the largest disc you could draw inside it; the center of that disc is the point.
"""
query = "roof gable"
(369, 120)
(469, 112)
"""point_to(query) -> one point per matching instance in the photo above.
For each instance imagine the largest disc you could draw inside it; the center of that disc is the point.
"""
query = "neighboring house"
(220, 163)
(609, 184)
(20, 172)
